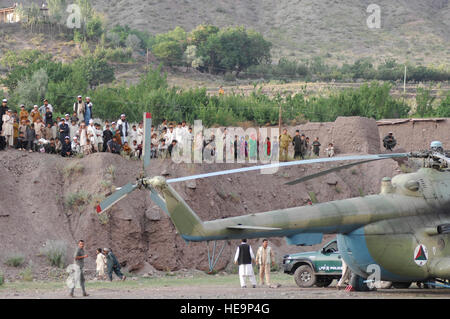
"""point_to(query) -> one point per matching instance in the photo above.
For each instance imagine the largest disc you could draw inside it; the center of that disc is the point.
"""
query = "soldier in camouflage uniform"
(285, 140)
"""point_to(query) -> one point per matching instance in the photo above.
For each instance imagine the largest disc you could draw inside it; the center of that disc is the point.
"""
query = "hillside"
(413, 30)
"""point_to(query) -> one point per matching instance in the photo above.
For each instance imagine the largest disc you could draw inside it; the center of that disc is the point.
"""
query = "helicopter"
(404, 231)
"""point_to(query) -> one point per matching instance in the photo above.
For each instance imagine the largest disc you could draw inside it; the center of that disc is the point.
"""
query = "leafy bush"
(119, 55)
(443, 110)
(55, 251)
(15, 260)
(424, 102)
(76, 200)
(2, 278)
(73, 168)
(27, 273)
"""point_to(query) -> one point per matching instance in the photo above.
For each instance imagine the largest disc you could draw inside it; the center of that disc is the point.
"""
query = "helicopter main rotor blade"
(146, 145)
(286, 164)
(115, 197)
(328, 171)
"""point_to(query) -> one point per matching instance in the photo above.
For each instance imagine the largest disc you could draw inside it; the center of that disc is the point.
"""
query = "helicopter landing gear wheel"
(401, 285)
(358, 283)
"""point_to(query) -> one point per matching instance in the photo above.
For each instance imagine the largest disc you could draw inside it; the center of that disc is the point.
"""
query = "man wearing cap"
(124, 128)
(35, 114)
(76, 148)
(92, 134)
(80, 108)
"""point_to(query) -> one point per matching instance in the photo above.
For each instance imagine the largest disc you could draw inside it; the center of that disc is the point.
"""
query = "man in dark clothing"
(112, 265)
(21, 142)
(316, 147)
(299, 145)
(50, 148)
(107, 136)
(64, 130)
(235, 145)
(30, 135)
(79, 257)
(171, 147)
(113, 146)
(66, 148)
(48, 116)
(244, 257)
(389, 142)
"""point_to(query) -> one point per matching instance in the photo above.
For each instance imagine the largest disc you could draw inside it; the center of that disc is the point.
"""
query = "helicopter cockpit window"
(331, 248)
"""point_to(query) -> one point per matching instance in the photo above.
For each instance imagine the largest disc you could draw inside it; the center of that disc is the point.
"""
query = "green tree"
(443, 110)
(201, 33)
(57, 11)
(96, 69)
(133, 42)
(169, 52)
(234, 49)
(32, 91)
(424, 102)
(94, 28)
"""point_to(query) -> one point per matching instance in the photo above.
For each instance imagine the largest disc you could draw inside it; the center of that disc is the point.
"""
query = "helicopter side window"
(331, 248)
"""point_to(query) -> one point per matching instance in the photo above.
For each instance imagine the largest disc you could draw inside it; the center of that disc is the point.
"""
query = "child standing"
(101, 264)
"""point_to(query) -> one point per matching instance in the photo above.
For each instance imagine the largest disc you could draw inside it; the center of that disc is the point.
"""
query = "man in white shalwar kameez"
(244, 257)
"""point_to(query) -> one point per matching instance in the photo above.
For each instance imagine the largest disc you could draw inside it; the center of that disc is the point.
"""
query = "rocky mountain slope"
(413, 30)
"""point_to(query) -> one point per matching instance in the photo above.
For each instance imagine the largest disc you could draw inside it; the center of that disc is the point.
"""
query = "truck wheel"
(304, 276)
(401, 285)
(358, 283)
(323, 281)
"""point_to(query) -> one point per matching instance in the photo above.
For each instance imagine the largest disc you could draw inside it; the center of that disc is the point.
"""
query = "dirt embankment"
(416, 134)
(45, 197)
